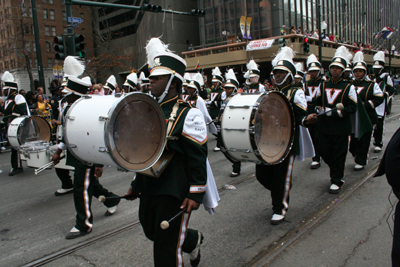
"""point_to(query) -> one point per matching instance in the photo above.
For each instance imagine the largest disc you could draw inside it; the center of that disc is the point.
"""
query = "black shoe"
(15, 171)
(61, 192)
(315, 165)
(72, 235)
(334, 189)
(234, 174)
(195, 254)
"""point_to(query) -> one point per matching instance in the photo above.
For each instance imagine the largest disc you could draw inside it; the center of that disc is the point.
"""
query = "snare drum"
(27, 129)
(35, 153)
(127, 131)
(257, 127)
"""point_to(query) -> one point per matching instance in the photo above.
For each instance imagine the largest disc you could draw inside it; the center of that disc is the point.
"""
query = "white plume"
(216, 71)
(379, 56)
(311, 58)
(230, 75)
(286, 53)
(252, 65)
(344, 53)
(153, 48)
(112, 80)
(198, 78)
(132, 77)
(187, 76)
(73, 67)
(299, 67)
(358, 57)
(7, 77)
(246, 75)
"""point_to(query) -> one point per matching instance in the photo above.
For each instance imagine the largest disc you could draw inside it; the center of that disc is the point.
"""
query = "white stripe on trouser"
(287, 185)
(18, 160)
(86, 198)
(182, 235)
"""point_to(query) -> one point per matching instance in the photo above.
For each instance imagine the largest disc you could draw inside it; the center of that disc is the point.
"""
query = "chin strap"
(284, 80)
(161, 98)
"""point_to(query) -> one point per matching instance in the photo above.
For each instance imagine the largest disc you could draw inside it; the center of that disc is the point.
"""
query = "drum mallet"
(165, 224)
(339, 106)
(39, 170)
(103, 198)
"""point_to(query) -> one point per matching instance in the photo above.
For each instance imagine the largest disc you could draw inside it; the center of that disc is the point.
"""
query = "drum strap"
(171, 121)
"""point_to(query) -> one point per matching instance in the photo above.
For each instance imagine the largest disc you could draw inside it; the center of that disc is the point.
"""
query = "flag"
(243, 26)
(149, 68)
(385, 33)
(198, 64)
(363, 123)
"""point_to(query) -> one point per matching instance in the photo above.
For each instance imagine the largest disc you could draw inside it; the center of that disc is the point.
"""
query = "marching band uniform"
(14, 106)
(386, 84)
(311, 88)
(131, 82)
(298, 78)
(186, 80)
(254, 76)
(347, 75)
(144, 83)
(336, 125)
(215, 97)
(110, 85)
(184, 179)
(278, 178)
(86, 184)
(371, 96)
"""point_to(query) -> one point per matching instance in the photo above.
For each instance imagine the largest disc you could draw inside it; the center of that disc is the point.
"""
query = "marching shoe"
(277, 219)
(315, 165)
(111, 211)
(61, 192)
(74, 233)
(15, 171)
(217, 149)
(358, 167)
(377, 149)
(334, 189)
(234, 174)
(195, 254)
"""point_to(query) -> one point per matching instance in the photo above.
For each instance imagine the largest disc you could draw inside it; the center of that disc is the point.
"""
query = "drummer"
(130, 83)
(215, 97)
(278, 178)
(109, 87)
(144, 83)
(254, 76)
(14, 106)
(186, 81)
(86, 183)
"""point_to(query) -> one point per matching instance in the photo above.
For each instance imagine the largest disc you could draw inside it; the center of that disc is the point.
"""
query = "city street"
(352, 228)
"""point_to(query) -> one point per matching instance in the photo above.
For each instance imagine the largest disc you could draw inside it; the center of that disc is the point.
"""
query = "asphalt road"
(33, 222)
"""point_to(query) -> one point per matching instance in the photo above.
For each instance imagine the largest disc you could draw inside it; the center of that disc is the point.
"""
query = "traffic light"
(281, 42)
(152, 8)
(59, 48)
(196, 12)
(79, 47)
(306, 45)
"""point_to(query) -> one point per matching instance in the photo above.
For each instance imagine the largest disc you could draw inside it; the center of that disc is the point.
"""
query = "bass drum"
(28, 129)
(127, 131)
(257, 127)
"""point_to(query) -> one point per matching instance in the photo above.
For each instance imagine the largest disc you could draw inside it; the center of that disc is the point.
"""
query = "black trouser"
(396, 238)
(359, 148)
(86, 186)
(15, 160)
(333, 149)
(171, 242)
(236, 167)
(378, 131)
(278, 179)
(314, 132)
(65, 178)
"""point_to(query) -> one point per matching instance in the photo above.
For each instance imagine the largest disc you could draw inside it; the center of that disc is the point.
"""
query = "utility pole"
(319, 31)
(37, 44)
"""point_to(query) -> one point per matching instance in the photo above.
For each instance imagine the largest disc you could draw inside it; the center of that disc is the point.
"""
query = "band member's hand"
(131, 195)
(319, 110)
(312, 118)
(98, 172)
(56, 122)
(56, 157)
(190, 205)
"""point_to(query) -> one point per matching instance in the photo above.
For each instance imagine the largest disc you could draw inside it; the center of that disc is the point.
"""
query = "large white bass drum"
(127, 131)
(257, 127)
(28, 129)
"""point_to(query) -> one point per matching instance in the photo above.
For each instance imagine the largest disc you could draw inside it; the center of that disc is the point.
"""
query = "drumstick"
(103, 198)
(339, 106)
(165, 224)
(39, 170)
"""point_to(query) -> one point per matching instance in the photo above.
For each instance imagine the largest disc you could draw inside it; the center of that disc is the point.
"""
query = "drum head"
(136, 132)
(274, 128)
(34, 128)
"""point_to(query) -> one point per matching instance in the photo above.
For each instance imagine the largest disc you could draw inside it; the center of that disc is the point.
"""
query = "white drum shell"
(12, 131)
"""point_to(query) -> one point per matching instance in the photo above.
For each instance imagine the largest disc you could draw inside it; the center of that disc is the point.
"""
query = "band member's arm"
(300, 110)
(377, 98)
(389, 86)
(20, 107)
(350, 104)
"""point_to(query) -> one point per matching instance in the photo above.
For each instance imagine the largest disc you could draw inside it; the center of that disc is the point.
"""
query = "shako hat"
(313, 63)
(358, 61)
(284, 61)
(217, 75)
(231, 80)
(196, 82)
(162, 61)
(78, 86)
(131, 80)
(379, 60)
(143, 79)
(8, 81)
(253, 69)
(341, 58)
(111, 83)
(186, 79)
(247, 77)
(299, 70)
(72, 69)
(349, 67)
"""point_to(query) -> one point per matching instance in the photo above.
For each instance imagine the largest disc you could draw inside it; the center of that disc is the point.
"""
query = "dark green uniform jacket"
(311, 91)
(186, 175)
(192, 100)
(14, 106)
(371, 96)
(215, 98)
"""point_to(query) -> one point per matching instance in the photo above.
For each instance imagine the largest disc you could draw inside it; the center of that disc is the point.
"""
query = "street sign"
(74, 25)
(55, 72)
(72, 19)
(60, 72)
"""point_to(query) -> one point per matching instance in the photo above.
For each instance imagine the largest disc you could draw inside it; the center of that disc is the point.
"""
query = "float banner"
(259, 45)
(248, 23)
(243, 26)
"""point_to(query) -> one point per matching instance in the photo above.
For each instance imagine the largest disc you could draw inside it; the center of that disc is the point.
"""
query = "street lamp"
(391, 53)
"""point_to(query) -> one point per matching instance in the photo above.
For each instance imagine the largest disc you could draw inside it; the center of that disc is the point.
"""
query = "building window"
(49, 62)
(28, 47)
(43, 1)
(82, 16)
(83, 31)
(65, 30)
(44, 13)
(50, 1)
(51, 14)
(46, 30)
(53, 31)
(64, 16)
(48, 47)
(34, 46)
(36, 62)
(30, 12)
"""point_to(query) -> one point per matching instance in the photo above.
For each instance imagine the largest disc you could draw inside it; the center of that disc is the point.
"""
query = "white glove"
(319, 110)
(328, 111)
(309, 98)
(208, 102)
(384, 75)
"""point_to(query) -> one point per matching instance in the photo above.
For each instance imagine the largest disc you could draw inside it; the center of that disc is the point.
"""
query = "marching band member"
(371, 96)
(130, 83)
(336, 125)
(144, 83)
(347, 75)
(111, 84)
(278, 178)
(386, 84)
(254, 76)
(14, 106)
(183, 183)
(86, 183)
(186, 81)
(311, 91)
(215, 97)
(298, 78)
